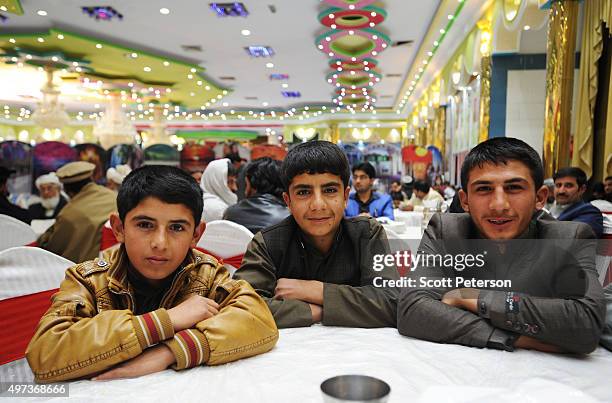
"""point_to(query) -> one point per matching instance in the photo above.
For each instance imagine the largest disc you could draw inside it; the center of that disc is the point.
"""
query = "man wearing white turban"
(51, 199)
(115, 176)
(219, 186)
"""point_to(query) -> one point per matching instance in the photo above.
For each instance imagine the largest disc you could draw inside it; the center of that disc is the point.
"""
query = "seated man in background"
(263, 205)
(553, 302)
(6, 207)
(51, 199)
(365, 201)
(154, 302)
(115, 176)
(77, 230)
(397, 194)
(570, 185)
(316, 265)
(422, 192)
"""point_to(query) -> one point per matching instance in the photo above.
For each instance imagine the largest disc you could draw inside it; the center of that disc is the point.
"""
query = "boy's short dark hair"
(367, 168)
(264, 176)
(166, 183)
(421, 186)
(574, 172)
(500, 150)
(395, 181)
(315, 157)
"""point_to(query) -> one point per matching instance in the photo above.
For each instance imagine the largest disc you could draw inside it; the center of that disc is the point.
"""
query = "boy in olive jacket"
(154, 302)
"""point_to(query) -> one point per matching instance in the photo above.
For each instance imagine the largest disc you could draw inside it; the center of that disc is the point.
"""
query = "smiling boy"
(316, 265)
(154, 302)
(555, 302)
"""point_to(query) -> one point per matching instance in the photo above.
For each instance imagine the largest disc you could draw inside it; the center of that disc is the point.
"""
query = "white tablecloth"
(417, 371)
(411, 218)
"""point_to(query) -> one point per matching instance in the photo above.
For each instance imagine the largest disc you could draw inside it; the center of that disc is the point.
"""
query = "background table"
(417, 371)
(411, 218)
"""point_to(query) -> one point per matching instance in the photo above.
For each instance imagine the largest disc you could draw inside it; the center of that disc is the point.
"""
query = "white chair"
(14, 233)
(29, 276)
(226, 240)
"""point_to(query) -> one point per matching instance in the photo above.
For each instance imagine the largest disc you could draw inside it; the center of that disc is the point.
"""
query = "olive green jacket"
(350, 297)
(77, 231)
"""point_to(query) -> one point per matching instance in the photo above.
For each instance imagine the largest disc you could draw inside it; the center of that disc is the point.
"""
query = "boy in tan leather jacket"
(154, 302)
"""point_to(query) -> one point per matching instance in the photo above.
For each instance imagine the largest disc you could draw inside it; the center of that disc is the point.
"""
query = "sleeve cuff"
(331, 296)
(502, 340)
(190, 348)
(492, 306)
(153, 327)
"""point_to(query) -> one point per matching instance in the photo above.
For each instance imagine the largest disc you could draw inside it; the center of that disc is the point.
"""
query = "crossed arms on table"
(505, 320)
(299, 303)
(76, 339)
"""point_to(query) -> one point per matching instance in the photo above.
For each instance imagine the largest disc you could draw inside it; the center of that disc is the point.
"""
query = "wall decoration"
(195, 157)
(161, 154)
(353, 44)
(50, 156)
(125, 154)
(96, 155)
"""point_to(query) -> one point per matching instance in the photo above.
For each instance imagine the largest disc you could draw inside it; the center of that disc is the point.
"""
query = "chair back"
(14, 233)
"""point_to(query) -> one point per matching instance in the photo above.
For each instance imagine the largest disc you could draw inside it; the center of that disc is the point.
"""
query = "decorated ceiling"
(218, 62)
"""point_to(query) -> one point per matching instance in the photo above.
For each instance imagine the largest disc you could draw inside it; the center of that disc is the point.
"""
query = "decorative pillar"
(485, 98)
(334, 132)
(560, 61)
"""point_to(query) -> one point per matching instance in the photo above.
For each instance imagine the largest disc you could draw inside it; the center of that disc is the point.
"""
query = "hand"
(152, 360)
(317, 312)
(191, 311)
(304, 290)
(530, 343)
(364, 214)
(462, 298)
(408, 207)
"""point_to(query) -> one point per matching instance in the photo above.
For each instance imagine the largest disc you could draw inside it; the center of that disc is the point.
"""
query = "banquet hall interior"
(407, 87)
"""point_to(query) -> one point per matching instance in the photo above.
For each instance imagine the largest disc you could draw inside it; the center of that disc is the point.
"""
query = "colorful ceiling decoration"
(107, 64)
(352, 45)
(350, 4)
(102, 13)
(233, 9)
(337, 18)
(11, 6)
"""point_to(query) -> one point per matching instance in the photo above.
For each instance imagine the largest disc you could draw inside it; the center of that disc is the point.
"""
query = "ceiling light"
(269, 65)
(41, 40)
(285, 85)
(99, 46)
(166, 63)
(42, 13)
(147, 69)
(526, 28)
(245, 32)
(164, 11)
(60, 36)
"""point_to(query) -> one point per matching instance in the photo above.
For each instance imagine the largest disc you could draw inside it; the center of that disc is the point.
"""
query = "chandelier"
(114, 127)
(50, 113)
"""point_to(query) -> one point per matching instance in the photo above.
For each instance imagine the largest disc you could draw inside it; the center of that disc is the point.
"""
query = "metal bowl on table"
(355, 388)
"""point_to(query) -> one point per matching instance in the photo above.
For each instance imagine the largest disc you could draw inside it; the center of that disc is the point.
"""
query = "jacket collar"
(117, 272)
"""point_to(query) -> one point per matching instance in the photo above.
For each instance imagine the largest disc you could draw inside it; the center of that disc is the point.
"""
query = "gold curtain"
(595, 12)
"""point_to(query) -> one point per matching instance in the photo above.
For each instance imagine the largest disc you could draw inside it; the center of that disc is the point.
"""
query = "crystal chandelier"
(50, 113)
(114, 127)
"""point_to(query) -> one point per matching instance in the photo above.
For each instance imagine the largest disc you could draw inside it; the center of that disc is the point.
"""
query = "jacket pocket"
(68, 307)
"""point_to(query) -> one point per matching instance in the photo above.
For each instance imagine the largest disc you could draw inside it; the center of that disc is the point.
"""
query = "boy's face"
(157, 236)
(317, 203)
(501, 199)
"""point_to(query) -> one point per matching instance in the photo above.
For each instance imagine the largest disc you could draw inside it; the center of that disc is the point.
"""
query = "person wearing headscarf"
(115, 176)
(51, 200)
(218, 184)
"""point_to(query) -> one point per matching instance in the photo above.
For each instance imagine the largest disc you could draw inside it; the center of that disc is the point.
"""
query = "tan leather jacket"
(90, 326)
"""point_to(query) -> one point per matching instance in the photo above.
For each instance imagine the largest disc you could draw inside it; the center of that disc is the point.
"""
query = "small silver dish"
(355, 388)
